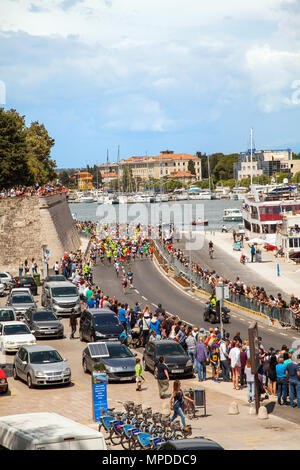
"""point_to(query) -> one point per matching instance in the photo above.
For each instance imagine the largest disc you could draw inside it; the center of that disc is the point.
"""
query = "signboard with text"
(99, 388)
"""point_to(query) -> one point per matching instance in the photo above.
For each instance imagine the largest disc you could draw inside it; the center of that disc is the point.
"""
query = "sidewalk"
(289, 279)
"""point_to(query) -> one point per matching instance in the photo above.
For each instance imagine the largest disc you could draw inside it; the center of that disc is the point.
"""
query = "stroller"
(136, 337)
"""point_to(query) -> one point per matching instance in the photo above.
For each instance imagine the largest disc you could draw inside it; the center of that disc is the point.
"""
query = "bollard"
(252, 410)
(263, 413)
(233, 409)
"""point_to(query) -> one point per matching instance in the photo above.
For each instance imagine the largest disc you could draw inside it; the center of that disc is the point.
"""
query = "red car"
(3, 382)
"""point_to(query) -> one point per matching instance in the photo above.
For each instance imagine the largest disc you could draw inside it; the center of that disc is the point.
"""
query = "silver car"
(21, 302)
(41, 365)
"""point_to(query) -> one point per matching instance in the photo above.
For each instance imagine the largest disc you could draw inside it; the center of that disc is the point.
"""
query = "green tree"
(296, 177)
(14, 169)
(64, 179)
(191, 167)
(38, 145)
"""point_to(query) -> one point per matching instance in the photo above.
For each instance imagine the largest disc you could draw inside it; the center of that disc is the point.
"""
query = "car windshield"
(118, 351)
(106, 320)
(64, 291)
(171, 349)
(45, 357)
(15, 330)
(43, 316)
(7, 315)
(22, 299)
(28, 280)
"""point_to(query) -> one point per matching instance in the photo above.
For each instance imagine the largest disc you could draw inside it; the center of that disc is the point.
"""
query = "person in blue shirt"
(91, 303)
(281, 381)
(293, 374)
(122, 316)
(155, 325)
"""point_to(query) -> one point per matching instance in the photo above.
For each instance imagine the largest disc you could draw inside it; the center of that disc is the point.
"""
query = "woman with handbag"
(176, 402)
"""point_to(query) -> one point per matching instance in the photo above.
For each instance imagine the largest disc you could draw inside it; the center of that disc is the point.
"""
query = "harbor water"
(187, 211)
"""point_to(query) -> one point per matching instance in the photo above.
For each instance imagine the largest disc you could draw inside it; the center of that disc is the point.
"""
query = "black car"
(176, 359)
(44, 324)
(194, 444)
(119, 366)
(26, 281)
(99, 325)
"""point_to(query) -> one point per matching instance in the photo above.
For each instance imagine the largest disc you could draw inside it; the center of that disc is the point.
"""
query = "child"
(215, 363)
(138, 375)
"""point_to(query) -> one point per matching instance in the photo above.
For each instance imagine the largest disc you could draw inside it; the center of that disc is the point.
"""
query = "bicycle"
(188, 406)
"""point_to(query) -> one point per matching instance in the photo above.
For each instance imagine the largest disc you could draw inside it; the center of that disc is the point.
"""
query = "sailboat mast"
(251, 150)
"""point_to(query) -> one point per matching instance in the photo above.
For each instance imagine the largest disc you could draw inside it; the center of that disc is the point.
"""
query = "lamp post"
(190, 260)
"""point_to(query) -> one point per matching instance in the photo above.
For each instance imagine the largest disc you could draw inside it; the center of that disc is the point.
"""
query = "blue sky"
(187, 75)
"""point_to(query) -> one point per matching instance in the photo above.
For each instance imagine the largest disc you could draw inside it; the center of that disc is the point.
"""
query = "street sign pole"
(220, 296)
(254, 357)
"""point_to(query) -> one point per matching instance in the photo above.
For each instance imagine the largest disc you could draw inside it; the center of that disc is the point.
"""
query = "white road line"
(145, 298)
(154, 305)
(137, 291)
(283, 334)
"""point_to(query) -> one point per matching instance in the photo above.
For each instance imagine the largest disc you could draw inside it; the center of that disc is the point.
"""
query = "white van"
(47, 431)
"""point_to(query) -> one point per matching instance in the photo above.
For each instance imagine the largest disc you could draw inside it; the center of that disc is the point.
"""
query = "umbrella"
(257, 241)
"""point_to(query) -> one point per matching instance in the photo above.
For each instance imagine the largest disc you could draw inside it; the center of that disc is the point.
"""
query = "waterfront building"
(267, 162)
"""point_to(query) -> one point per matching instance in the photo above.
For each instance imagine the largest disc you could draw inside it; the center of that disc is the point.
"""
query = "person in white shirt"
(224, 357)
(235, 359)
(250, 381)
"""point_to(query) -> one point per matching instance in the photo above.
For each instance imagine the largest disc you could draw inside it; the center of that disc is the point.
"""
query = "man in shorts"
(214, 359)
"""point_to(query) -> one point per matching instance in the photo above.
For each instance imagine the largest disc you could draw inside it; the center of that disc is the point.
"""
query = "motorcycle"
(213, 315)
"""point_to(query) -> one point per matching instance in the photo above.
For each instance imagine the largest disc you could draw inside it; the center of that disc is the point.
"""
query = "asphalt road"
(152, 287)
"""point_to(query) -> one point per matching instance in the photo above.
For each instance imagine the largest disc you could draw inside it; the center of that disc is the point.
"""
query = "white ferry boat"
(232, 215)
(264, 208)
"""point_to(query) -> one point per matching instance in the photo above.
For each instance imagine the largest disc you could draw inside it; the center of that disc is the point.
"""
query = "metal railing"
(283, 315)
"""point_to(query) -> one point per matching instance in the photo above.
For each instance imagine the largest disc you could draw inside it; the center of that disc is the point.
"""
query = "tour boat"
(264, 208)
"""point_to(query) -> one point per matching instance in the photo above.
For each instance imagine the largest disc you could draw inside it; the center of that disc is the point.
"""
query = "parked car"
(41, 365)
(21, 302)
(44, 324)
(99, 325)
(7, 314)
(176, 359)
(14, 334)
(3, 381)
(2, 289)
(61, 297)
(193, 444)
(26, 281)
(120, 365)
(6, 279)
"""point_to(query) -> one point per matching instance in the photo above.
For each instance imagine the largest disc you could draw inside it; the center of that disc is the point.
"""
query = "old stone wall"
(27, 223)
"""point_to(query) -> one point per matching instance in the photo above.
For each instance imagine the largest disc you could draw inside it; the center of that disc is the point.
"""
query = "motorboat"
(200, 222)
(232, 215)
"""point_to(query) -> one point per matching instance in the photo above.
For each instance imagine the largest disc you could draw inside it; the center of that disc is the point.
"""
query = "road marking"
(154, 305)
(137, 291)
(76, 383)
(283, 334)
(145, 298)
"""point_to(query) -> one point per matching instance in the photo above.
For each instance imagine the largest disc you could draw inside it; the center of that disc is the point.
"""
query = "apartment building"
(167, 163)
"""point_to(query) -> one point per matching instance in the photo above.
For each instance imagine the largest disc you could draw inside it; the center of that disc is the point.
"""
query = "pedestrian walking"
(21, 267)
(214, 358)
(252, 253)
(224, 360)
(235, 361)
(281, 381)
(250, 381)
(139, 375)
(56, 268)
(162, 375)
(73, 323)
(176, 402)
(293, 374)
(201, 358)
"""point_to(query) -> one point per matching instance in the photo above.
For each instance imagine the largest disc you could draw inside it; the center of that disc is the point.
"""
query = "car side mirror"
(65, 359)
(135, 354)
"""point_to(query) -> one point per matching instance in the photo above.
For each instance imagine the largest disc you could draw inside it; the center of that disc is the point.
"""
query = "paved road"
(229, 268)
(151, 287)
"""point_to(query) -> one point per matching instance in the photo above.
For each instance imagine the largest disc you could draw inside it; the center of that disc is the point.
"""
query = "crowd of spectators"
(238, 287)
(37, 190)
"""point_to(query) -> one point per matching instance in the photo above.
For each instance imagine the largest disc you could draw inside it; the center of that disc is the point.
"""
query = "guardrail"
(283, 315)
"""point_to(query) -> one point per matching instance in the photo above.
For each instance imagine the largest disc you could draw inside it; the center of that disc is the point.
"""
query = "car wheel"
(15, 375)
(84, 365)
(81, 336)
(29, 381)
(145, 365)
(212, 318)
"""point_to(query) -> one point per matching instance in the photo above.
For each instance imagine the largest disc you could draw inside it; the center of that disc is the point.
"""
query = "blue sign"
(99, 386)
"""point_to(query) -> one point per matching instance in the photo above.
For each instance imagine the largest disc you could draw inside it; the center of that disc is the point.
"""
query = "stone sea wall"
(27, 223)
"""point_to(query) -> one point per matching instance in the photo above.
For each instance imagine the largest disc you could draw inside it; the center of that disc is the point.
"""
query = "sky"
(151, 75)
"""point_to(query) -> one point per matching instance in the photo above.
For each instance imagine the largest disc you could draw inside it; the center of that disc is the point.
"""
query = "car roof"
(98, 311)
(60, 284)
(6, 307)
(13, 322)
(38, 347)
